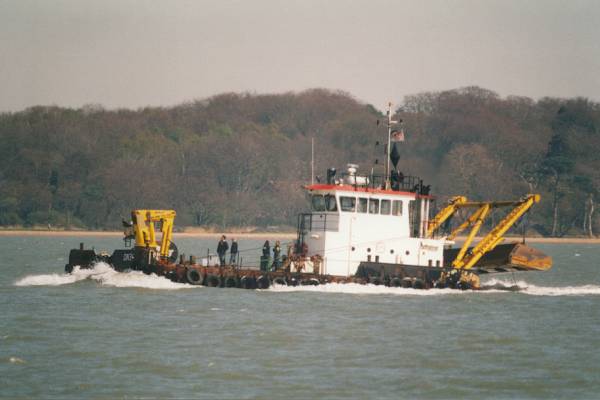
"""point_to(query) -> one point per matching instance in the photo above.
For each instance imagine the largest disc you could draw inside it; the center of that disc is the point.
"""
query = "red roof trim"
(350, 188)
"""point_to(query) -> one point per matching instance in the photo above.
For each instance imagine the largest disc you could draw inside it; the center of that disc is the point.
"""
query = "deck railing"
(318, 222)
(401, 183)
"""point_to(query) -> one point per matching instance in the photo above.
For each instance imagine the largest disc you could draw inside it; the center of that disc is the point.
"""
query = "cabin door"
(351, 243)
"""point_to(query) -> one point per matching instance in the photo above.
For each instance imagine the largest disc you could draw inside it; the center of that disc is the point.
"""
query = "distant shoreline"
(255, 235)
(84, 233)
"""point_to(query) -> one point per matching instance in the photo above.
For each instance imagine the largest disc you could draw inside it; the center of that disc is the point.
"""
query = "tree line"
(240, 160)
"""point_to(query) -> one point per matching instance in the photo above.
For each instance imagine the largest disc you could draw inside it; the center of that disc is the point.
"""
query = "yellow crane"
(143, 229)
(467, 257)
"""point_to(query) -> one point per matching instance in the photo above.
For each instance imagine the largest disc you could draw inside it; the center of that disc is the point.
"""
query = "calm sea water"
(102, 334)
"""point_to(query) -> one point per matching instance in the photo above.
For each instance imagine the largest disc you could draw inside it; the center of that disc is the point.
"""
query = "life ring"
(212, 281)
(248, 282)
(263, 282)
(193, 276)
(280, 280)
(230, 282)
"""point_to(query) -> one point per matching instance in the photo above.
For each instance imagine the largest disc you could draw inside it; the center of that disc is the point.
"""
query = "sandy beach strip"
(208, 235)
(259, 235)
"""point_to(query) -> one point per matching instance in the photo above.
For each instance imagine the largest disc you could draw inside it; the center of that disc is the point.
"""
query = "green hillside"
(241, 159)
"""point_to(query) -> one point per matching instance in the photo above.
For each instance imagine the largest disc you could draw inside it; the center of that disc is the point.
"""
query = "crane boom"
(145, 235)
(496, 235)
(466, 258)
(444, 214)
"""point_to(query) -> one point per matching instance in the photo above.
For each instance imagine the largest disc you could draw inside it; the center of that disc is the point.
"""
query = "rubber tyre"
(279, 281)
(230, 282)
(172, 276)
(418, 284)
(310, 282)
(293, 281)
(248, 282)
(193, 276)
(375, 280)
(212, 281)
(440, 285)
(395, 282)
(263, 282)
(406, 283)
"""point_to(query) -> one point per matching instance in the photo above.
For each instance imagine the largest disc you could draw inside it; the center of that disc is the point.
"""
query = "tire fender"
(193, 276)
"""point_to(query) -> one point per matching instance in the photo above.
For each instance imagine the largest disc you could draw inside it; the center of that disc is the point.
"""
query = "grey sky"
(136, 53)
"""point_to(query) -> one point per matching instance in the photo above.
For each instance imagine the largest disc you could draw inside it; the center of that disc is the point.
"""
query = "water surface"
(103, 334)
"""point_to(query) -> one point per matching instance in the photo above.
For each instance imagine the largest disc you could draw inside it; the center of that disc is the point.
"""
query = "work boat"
(361, 228)
(385, 236)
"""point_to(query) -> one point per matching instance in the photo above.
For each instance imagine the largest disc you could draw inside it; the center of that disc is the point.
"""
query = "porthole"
(407, 252)
(392, 251)
(368, 250)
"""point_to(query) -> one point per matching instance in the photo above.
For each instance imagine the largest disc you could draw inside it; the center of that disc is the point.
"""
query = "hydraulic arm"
(144, 229)
(444, 214)
(466, 257)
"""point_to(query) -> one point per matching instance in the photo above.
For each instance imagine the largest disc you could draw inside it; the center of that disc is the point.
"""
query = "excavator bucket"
(506, 258)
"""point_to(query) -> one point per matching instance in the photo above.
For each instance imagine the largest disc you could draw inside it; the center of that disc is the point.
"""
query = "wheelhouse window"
(348, 204)
(373, 206)
(322, 203)
(318, 202)
(362, 205)
(385, 207)
(330, 202)
(397, 207)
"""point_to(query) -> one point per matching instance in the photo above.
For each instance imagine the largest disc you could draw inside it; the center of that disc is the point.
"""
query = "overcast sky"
(121, 53)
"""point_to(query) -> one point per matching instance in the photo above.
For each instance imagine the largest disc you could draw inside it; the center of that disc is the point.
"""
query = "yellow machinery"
(467, 257)
(143, 229)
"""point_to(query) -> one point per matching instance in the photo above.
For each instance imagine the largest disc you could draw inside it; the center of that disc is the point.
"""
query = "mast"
(312, 160)
(388, 172)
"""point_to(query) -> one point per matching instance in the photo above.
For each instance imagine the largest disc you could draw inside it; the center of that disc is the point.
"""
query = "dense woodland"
(240, 160)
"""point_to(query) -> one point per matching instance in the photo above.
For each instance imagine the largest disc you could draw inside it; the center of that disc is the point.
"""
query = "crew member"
(222, 248)
(233, 252)
(277, 255)
(266, 252)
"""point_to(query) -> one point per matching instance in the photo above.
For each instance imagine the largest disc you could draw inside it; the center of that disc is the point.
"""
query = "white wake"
(497, 285)
(105, 275)
(356, 288)
(489, 287)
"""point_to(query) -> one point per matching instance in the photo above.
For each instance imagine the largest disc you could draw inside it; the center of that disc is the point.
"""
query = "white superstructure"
(351, 222)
